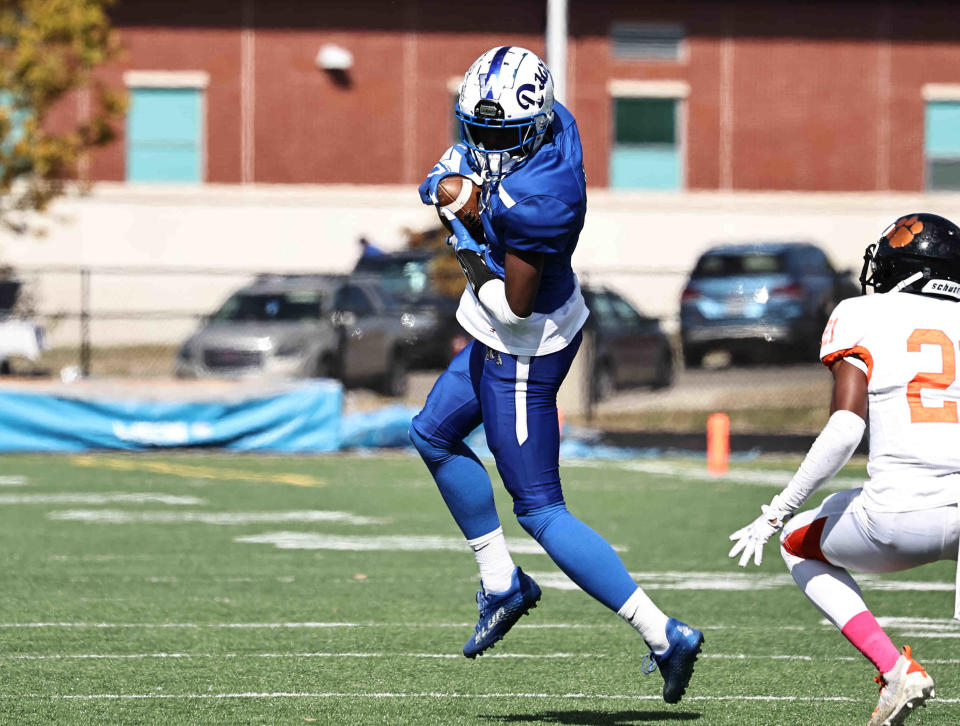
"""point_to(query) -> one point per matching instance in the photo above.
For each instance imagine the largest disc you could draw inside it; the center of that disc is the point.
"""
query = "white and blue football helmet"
(505, 108)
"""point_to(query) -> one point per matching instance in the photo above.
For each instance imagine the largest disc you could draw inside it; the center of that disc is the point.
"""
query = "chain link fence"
(117, 321)
(109, 322)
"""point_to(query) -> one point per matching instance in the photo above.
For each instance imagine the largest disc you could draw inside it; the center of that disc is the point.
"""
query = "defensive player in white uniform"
(893, 355)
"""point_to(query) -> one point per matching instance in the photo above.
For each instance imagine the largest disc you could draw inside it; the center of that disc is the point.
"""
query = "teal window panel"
(943, 129)
(645, 153)
(652, 166)
(164, 135)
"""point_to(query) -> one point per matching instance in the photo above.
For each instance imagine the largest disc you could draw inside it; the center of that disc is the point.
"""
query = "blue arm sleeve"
(540, 224)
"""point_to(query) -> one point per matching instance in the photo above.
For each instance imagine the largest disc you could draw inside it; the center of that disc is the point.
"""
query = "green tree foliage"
(49, 50)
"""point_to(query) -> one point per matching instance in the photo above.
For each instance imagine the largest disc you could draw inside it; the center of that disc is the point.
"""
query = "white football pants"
(820, 544)
(856, 538)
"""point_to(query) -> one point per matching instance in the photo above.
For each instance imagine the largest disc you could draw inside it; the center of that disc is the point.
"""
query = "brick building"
(728, 96)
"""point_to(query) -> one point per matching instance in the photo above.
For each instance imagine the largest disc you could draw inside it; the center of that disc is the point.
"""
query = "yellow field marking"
(194, 471)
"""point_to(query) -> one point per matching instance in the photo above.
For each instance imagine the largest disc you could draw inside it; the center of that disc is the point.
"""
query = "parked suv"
(303, 326)
(631, 349)
(755, 298)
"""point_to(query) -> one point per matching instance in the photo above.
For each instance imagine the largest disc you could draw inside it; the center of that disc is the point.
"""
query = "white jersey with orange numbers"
(908, 345)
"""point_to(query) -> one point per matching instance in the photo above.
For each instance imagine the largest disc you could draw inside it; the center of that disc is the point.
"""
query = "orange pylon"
(718, 443)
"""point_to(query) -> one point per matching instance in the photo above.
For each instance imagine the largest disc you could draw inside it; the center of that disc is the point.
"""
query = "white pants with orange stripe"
(842, 534)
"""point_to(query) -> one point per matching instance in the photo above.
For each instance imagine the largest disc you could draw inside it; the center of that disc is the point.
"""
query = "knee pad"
(535, 521)
(801, 538)
(429, 451)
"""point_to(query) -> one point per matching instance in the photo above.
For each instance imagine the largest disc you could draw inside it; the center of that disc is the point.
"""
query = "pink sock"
(868, 637)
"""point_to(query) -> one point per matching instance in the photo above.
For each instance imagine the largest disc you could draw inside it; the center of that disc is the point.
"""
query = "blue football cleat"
(500, 610)
(676, 664)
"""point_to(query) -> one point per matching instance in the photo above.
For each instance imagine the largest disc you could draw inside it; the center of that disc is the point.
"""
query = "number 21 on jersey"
(947, 413)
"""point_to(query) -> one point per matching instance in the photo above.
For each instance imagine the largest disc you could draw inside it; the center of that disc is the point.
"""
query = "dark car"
(755, 299)
(631, 349)
(304, 326)
(433, 334)
(20, 338)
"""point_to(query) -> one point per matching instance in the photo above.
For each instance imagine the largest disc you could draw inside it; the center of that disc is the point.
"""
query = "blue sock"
(582, 554)
(463, 483)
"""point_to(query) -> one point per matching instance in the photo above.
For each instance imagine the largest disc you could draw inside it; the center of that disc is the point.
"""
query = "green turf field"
(224, 589)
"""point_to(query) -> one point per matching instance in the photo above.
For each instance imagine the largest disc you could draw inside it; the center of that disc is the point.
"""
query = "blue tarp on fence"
(302, 418)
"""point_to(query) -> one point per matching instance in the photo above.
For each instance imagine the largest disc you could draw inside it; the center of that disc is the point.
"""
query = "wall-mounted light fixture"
(332, 57)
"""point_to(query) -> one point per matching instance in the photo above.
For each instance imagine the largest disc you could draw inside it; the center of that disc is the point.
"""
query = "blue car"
(756, 299)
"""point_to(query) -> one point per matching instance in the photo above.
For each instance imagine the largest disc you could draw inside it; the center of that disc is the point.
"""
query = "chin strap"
(909, 281)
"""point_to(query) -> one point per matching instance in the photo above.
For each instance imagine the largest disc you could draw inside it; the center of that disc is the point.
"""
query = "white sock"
(640, 611)
(493, 558)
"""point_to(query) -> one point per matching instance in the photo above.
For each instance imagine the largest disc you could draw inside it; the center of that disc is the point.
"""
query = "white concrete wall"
(640, 243)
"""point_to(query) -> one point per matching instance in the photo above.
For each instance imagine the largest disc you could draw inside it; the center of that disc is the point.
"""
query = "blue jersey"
(540, 207)
(537, 207)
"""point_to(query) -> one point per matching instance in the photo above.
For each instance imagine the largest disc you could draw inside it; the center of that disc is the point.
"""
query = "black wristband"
(475, 269)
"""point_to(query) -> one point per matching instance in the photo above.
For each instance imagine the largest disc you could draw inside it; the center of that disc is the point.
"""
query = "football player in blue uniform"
(524, 309)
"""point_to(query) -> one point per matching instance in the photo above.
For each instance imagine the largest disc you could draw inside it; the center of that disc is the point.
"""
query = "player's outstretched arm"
(828, 454)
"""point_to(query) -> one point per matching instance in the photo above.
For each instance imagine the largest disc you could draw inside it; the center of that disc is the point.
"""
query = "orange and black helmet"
(917, 253)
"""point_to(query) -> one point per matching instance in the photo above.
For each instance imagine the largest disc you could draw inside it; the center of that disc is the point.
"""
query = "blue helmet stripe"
(495, 66)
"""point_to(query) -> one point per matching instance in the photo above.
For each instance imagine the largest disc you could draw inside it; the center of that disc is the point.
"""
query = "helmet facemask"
(868, 273)
(500, 146)
(886, 274)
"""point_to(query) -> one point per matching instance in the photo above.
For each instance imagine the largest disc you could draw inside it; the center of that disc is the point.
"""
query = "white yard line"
(917, 623)
(936, 628)
(383, 543)
(919, 627)
(738, 581)
(13, 481)
(185, 656)
(757, 477)
(433, 695)
(100, 558)
(122, 516)
(101, 498)
(439, 656)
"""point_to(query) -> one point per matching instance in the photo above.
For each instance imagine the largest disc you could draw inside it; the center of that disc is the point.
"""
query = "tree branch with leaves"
(50, 49)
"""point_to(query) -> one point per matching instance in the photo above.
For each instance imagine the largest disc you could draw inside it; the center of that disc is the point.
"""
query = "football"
(459, 196)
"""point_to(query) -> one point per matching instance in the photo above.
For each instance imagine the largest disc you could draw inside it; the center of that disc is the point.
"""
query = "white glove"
(752, 538)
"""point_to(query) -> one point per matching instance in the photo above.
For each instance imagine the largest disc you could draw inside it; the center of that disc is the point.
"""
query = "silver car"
(303, 326)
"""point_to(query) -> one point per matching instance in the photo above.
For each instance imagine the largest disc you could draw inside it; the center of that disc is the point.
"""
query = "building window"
(165, 127)
(645, 152)
(647, 149)
(647, 41)
(942, 145)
